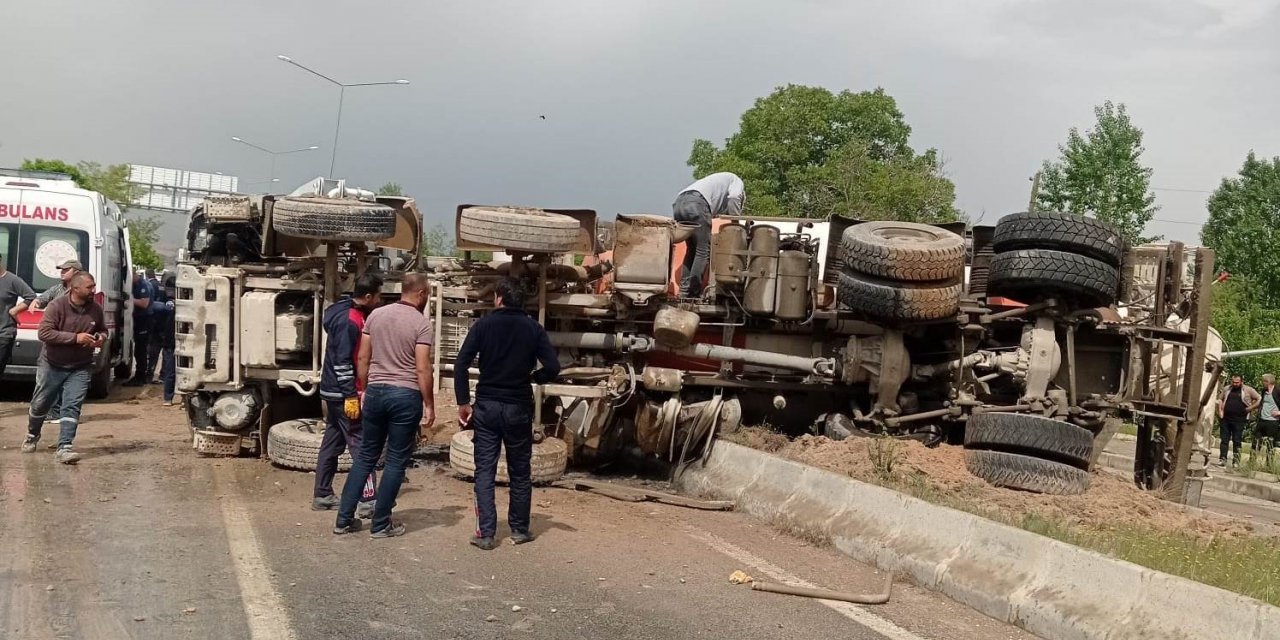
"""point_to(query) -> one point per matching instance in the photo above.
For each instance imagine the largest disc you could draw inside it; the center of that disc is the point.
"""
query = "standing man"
(394, 366)
(12, 291)
(509, 343)
(719, 194)
(72, 327)
(1268, 430)
(1238, 401)
(341, 389)
(168, 341)
(142, 297)
(67, 270)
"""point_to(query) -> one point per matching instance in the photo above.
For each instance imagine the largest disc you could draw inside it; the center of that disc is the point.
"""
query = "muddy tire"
(891, 300)
(1068, 232)
(1035, 436)
(903, 251)
(550, 457)
(1027, 473)
(519, 229)
(1032, 275)
(296, 445)
(333, 219)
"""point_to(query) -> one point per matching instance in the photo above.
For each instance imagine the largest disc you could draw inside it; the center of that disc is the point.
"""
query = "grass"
(1128, 429)
(1248, 565)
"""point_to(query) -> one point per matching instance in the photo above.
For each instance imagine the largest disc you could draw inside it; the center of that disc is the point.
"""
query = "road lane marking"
(846, 609)
(263, 605)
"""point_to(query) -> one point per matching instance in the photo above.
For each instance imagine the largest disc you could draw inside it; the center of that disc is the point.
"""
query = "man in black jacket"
(343, 323)
(509, 343)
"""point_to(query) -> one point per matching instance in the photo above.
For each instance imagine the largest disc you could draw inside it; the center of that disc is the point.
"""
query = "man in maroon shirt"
(72, 328)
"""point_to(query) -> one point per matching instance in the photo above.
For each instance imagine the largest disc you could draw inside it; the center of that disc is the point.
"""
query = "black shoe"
(135, 383)
(351, 527)
(522, 537)
(393, 530)
(486, 544)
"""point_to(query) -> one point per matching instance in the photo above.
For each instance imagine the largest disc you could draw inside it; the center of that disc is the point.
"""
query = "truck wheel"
(903, 251)
(1032, 275)
(550, 457)
(335, 219)
(1062, 231)
(100, 383)
(1036, 436)
(898, 300)
(519, 229)
(296, 445)
(1027, 473)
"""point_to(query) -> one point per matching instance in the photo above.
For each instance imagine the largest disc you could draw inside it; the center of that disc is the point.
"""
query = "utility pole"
(1035, 192)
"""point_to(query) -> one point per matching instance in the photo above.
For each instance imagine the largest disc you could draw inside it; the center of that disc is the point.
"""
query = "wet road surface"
(143, 539)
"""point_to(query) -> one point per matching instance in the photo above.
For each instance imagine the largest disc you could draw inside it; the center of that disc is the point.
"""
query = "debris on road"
(821, 594)
(491, 619)
(738, 577)
(515, 608)
(636, 494)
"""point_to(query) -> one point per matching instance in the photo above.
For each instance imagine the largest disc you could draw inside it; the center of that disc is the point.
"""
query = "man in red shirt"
(341, 390)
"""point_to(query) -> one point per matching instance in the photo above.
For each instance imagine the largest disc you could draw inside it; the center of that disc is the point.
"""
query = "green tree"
(143, 234)
(391, 189)
(1244, 226)
(1100, 172)
(56, 166)
(805, 151)
(111, 181)
(1245, 323)
(437, 242)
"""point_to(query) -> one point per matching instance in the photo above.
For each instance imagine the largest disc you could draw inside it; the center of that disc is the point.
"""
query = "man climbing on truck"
(341, 390)
(719, 194)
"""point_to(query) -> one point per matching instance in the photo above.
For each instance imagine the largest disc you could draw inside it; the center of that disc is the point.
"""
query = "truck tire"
(1031, 435)
(550, 457)
(100, 383)
(902, 251)
(334, 219)
(1032, 275)
(296, 445)
(519, 229)
(1027, 473)
(891, 300)
(1068, 232)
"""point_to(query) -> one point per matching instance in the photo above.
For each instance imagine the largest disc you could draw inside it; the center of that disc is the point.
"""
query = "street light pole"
(273, 154)
(342, 94)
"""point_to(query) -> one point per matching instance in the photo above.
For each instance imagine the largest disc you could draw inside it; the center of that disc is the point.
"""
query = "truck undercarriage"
(1026, 343)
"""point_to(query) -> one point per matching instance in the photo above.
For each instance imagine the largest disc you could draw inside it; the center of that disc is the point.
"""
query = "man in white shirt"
(719, 194)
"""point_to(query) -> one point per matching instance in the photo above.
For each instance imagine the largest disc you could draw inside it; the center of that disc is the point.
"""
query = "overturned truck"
(1026, 343)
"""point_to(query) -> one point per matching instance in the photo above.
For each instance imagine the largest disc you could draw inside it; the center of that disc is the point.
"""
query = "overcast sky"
(627, 85)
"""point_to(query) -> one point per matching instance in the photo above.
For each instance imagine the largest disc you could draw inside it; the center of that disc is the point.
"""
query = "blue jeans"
(168, 373)
(501, 424)
(391, 419)
(692, 207)
(55, 409)
(68, 385)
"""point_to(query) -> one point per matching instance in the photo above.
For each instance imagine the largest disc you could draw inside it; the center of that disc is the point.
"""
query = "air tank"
(793, 286)
(728, 256)
(760, 297)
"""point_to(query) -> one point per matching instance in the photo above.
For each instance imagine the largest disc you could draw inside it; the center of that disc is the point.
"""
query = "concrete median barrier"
(1047, 587)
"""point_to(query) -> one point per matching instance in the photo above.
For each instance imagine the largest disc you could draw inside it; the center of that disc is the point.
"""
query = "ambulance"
(46, 219)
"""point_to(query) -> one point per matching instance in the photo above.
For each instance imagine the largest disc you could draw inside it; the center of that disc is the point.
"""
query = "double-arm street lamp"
(342, 92)
(273, 154)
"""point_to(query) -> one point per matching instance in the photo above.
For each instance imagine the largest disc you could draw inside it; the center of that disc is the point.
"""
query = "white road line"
(846, 609)
(262, 603)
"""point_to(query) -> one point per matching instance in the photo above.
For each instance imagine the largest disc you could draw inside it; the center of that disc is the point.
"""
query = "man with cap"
(67, 270)
(143, 294)
(12, 291)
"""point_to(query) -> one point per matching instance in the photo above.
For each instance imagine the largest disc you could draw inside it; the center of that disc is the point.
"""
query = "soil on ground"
(1111, 501)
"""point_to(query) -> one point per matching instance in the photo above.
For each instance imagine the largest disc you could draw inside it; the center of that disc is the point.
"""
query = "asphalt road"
(143, 539)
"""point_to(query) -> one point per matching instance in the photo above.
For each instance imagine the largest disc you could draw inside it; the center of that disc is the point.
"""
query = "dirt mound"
(939, 475)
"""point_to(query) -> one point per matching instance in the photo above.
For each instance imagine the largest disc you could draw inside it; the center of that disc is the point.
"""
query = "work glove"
(351, 407)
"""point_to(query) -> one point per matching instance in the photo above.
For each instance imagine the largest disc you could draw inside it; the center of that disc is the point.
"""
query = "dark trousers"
(154, 350)
(142, 365)
(6, 351)
(340, 434)
(1265, 437)
(1232, 434)
(391, 419)
(498, 425)
(690, 206)
(168, 373)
